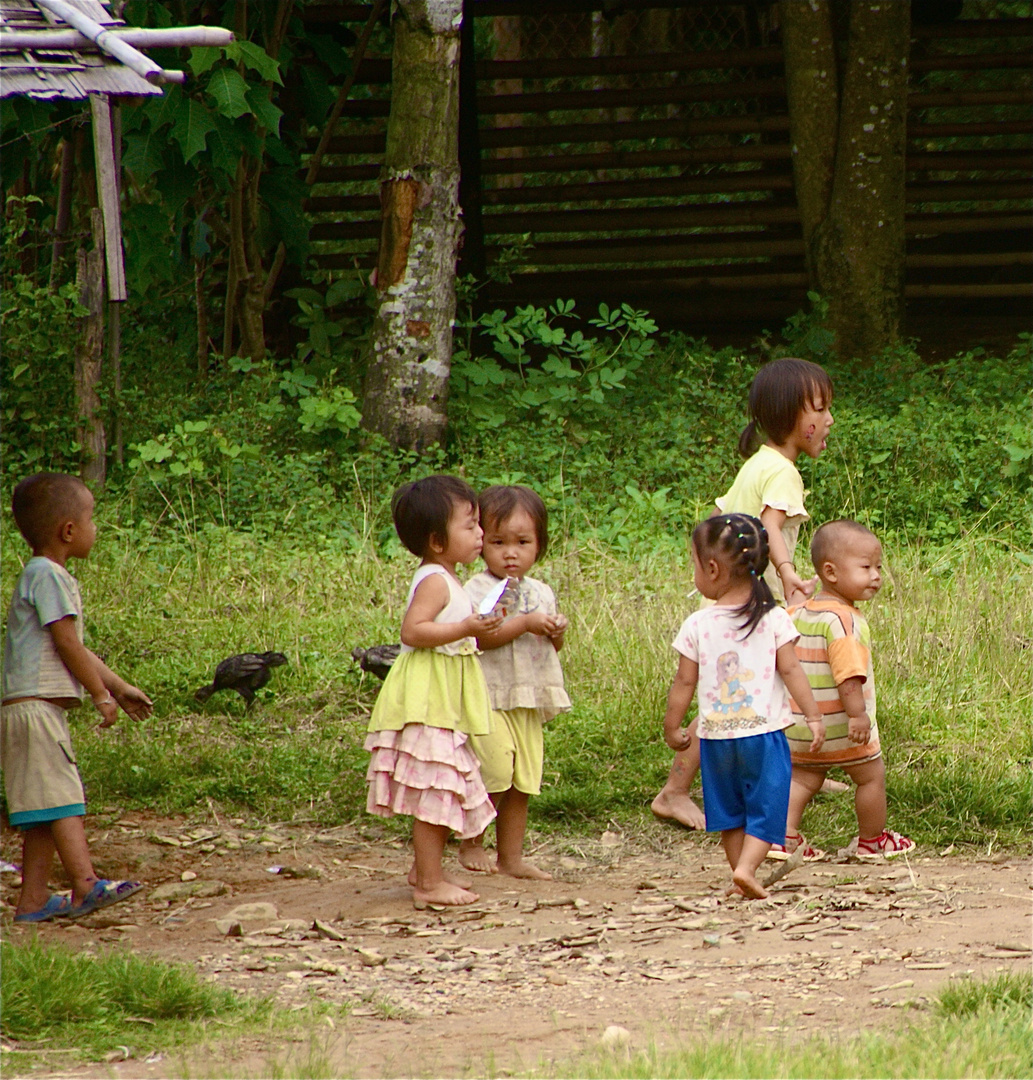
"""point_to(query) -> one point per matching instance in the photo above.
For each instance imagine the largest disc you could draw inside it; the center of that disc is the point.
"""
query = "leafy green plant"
(541, 371)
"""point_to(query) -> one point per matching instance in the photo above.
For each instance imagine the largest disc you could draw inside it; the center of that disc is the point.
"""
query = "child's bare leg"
(471, 852)
(750, 852)
(430, 886)
(806, 783)
(673, 802)
(510, 828)
(869, 797)
(67, 837)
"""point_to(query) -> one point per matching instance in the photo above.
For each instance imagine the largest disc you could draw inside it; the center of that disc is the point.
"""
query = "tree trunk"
(812, 90)
(852, 213)
(410, 354)
(89, 354)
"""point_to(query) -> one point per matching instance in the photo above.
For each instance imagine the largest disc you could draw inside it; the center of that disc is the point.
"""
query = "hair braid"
(741, 543)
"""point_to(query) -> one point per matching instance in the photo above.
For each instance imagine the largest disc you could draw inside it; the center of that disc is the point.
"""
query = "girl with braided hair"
(743, 638)
(789, 416)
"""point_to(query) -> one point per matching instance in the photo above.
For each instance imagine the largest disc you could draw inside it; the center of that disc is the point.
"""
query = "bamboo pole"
(63, 215)
(137, 37)
(112, 45)
(342, 95)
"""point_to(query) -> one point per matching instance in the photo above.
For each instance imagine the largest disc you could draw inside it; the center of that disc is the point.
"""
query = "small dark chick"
(377, 660)
(245, 673)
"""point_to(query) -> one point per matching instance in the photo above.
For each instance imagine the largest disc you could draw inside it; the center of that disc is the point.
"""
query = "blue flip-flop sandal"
(102, 894)
(56, 907)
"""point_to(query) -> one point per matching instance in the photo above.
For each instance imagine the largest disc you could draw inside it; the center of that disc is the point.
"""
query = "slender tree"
(410, 349)
(846, 78)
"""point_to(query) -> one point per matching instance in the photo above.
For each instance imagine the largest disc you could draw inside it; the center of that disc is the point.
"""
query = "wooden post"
(107, 194)
(89, 354)
(63, 217)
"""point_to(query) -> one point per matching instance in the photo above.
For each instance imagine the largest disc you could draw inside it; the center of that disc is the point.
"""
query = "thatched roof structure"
(74, 48)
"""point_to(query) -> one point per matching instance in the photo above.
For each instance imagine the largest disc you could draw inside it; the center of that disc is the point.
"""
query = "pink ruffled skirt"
(428, 773)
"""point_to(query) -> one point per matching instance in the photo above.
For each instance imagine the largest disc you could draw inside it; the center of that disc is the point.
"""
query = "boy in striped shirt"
(834, 651)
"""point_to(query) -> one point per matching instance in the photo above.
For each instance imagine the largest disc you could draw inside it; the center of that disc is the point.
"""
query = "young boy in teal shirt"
(47, 669)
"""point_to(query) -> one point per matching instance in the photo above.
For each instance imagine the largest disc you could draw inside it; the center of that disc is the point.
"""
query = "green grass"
(58, 1001)
(951, 636)
(978, 1030)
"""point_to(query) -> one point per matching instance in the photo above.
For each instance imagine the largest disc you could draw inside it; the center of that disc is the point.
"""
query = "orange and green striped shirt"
(834, 645)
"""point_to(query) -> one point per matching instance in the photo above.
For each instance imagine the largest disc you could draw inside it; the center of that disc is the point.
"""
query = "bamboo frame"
(114, 46)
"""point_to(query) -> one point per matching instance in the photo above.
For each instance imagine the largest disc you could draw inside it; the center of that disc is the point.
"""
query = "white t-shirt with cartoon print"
(740, 691)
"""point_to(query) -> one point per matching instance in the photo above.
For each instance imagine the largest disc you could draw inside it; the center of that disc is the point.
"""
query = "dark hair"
(779, 391)
(41, 502)
(829, 536)
(422, 508)
(500, 500)
(741, 543)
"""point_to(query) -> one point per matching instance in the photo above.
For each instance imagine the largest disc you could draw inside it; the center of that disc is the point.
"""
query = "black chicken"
(378, 659)
(245, 673)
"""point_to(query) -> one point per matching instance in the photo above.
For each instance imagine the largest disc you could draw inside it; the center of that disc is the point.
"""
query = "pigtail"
(749, 440)
(752, 541)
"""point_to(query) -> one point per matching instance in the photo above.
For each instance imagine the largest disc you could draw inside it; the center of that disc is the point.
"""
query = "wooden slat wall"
(665, 178)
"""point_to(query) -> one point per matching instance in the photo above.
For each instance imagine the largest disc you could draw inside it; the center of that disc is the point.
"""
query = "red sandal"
(783, 851)
(887, 846)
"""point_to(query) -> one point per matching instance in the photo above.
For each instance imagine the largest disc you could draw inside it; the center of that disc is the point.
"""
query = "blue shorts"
(746, 784)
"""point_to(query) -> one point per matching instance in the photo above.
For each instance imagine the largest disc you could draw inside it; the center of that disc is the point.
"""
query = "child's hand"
(859, 729)
(559, 625)
(108, 709)
(475, 625)
(135, 702)
(817, 726)
(678, 739)
(797, 591)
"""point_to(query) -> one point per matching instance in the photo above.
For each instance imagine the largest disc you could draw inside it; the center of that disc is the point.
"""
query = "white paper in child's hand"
(487, 605)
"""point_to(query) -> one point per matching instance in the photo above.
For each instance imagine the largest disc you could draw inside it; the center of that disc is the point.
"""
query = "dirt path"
(634, 932)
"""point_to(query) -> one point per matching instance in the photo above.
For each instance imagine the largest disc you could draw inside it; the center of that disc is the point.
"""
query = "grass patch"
(58, 1001)
(979, 1030)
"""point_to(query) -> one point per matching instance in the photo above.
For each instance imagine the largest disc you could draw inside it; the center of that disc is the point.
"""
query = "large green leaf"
(230, 92)
(265, 112)
(193, 125)
(255, 58)
(204, 58)
(224, 146)
(144, 153)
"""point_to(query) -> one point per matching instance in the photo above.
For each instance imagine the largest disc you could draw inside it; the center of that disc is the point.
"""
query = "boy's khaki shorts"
(41, 779)
(511, 756)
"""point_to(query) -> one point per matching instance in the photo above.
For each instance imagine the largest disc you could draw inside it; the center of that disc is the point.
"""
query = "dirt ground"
(634, 932)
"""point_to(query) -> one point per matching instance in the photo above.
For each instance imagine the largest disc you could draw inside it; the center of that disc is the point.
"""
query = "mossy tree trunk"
(410, 352)
(847, 110)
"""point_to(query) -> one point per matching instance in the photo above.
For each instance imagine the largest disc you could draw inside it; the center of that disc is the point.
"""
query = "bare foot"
(474, 857)
(443, 893)
(463, 883)
(678, 807)
(734, 890)
(750, 886)
(524, 869)
(834, 785)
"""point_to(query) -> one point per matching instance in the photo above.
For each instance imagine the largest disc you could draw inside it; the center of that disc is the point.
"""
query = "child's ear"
(66, 531)
(436, 544)
(827, 572)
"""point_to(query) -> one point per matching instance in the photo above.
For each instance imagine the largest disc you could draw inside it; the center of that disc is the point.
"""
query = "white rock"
(615, 1035)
